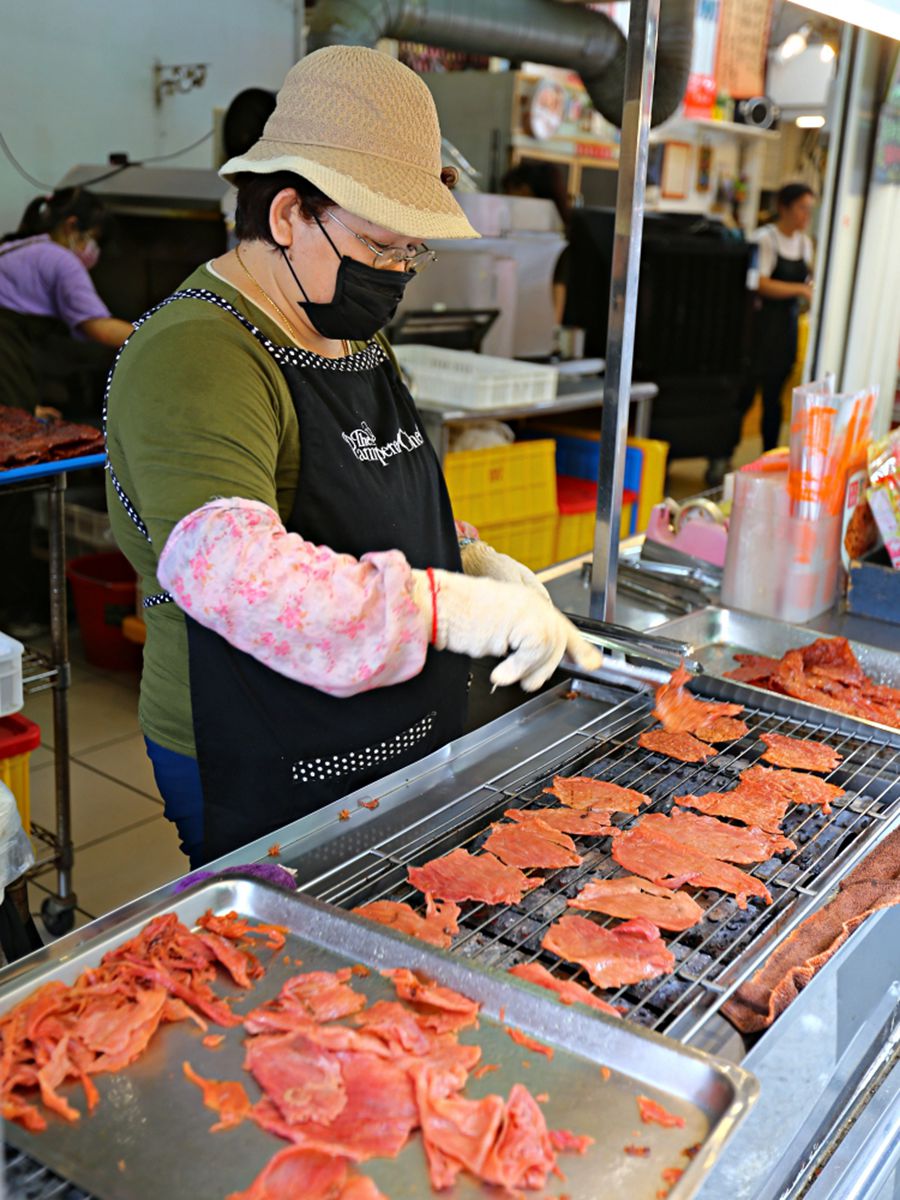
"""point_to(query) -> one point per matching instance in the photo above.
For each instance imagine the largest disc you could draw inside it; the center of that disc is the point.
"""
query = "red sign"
(595, 150)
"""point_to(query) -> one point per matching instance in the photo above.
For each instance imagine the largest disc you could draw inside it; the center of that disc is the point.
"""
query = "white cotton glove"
(478, 558)
(480, 617)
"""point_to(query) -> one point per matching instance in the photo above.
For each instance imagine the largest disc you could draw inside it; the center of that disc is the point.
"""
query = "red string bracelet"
(434, 591)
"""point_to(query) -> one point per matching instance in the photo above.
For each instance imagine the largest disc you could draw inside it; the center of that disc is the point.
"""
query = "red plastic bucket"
(104, 588)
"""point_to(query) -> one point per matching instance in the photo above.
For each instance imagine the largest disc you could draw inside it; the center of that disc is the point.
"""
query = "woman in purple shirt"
(45, 288)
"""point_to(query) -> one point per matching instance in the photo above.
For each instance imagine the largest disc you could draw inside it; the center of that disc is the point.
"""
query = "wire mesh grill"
(26, 1179)
(717, 953)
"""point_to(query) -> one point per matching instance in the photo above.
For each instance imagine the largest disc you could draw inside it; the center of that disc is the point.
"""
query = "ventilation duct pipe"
(542, 31)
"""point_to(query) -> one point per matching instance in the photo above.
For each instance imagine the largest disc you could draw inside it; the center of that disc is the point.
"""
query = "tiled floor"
(124, 846)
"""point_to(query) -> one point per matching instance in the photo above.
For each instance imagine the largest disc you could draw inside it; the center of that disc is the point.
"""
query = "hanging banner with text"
(743, 42)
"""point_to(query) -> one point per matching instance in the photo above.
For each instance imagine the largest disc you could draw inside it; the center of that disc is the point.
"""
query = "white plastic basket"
(460, 379)
(11, 694)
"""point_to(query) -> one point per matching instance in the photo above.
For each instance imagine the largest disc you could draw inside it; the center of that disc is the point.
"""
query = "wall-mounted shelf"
(679, 126)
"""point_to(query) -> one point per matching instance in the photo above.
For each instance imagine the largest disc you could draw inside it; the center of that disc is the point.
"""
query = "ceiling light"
(810, 122)
(827, 52)
(794, 44)
(881, 16)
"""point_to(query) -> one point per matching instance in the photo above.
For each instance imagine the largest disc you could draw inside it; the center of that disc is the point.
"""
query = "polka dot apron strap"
(279, 353)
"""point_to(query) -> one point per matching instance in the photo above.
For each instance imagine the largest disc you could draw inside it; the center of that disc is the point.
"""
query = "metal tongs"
(646, 657)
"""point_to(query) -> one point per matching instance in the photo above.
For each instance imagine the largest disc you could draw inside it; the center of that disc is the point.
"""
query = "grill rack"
(27, 1179)
(713, 957)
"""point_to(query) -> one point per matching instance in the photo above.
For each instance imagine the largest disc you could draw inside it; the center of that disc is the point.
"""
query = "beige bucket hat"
(363, 128)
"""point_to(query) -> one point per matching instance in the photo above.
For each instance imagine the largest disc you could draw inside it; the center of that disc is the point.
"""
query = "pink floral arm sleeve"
(465, 530)
(339, 624)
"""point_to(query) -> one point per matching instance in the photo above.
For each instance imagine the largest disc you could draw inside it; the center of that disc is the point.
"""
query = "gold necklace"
(285, 322)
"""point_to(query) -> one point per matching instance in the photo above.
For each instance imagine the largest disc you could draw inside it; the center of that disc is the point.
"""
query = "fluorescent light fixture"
(827, 52)
(811, 121)
(881, 16)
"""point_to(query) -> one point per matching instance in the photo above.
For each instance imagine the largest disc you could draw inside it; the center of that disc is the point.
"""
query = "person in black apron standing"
(785, 280)
(45, 290)
(328, 638)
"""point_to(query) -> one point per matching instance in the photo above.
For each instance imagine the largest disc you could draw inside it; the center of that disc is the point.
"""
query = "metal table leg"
(58, 912)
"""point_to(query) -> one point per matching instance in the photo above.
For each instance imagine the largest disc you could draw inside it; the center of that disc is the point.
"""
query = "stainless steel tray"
(717, 634)
(152, 1120)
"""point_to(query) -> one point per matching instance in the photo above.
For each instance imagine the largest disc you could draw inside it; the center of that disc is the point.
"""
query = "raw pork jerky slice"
(799, 754)
(722, 729)
(612, 957)
(437, 927)
(532, 844)
(402, 1030)
(227, 1098)
(440, 1008)
(583, 822)
(582, 791)
(680, 712)
(462, 876)
(749, 807)
(376, 1121)
(683, 746)
(299, 1172)
(795, 786)
(664, 861)
(630, 896)
(568, 990)
(731, 843)
(303, 1081)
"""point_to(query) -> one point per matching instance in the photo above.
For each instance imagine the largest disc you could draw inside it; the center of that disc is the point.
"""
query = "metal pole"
(59, 638)
(640, 62)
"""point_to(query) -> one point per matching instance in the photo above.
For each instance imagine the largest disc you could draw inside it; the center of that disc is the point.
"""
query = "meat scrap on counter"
(680, 712)
(585, 792)
(568, 991)
(799, 754)
(584, 822)
(437, 927)
(662, 860)
(826, 673)
(462, 876)
(628, 896)
(532, 844)
(228, 1099)
(872, 885)
(612, 957)
(652, 1111)
(683, 746)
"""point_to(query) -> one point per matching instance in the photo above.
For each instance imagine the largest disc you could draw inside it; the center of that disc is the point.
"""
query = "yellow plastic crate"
(14, 772)
(575, 532)
(653, 468)
(502, 483)
(653, 478)
(529, 542)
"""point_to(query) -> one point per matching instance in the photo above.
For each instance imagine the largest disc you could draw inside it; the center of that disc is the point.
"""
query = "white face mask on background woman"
(87, 250)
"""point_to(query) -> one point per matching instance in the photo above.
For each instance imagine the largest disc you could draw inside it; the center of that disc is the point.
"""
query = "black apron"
(775, 326)
(271, 750)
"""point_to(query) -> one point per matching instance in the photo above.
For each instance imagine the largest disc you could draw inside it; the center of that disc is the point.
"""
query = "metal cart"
(43, 671)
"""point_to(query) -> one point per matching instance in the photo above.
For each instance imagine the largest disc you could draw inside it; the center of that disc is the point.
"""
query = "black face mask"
(365, 298)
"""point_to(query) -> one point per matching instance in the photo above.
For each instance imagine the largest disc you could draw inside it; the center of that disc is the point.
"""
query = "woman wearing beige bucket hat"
(267, 467)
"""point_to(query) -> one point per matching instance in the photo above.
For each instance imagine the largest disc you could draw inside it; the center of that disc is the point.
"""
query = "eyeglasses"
(411, 258)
